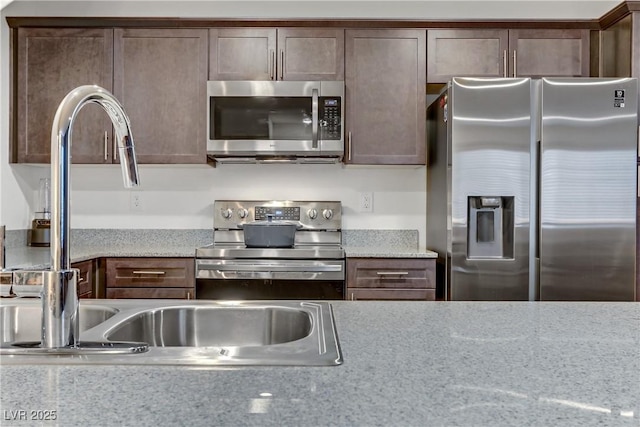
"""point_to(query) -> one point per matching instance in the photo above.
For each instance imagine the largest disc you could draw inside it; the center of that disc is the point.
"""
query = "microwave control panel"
(330, 116)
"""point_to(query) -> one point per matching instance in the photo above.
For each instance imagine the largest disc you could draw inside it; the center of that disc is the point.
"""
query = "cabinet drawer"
(144, 293)
(150, 272)
(360, 294)
(85, 278)
(401, 273)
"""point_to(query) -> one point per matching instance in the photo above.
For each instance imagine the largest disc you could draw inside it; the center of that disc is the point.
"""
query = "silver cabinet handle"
(504, 63)
(106, 145)
(349, 146)
(272, 64)
(515, 64)
(149, 272)
(188, 295)
(281, 64)
(80, 280)
(314, 118)
(353, 298)
(392, 273)
(115, 149)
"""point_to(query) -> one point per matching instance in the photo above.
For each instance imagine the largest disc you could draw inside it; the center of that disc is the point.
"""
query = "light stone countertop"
(96, 243)
(405, 364)
(29, 257)
(382, 252)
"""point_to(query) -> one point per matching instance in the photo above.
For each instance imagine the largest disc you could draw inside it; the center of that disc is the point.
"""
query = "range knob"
(312, 213)
(242, 213)
(226, 213)
(327, 213)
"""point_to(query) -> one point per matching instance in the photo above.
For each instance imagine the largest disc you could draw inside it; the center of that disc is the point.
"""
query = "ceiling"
(350, 9)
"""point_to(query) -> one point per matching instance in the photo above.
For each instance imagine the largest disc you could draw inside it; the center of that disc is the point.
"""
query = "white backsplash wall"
(174, 196)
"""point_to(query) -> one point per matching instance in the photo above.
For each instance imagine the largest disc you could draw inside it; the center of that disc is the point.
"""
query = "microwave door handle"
(314, 118)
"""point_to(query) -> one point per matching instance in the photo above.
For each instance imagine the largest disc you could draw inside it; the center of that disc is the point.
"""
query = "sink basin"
(198, 333)
(23, 322)
(214, 326)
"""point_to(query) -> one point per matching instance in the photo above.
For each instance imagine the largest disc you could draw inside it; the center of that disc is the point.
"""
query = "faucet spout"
(59, 299)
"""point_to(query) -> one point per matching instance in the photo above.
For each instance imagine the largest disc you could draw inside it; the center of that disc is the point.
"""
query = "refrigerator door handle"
(504, 63)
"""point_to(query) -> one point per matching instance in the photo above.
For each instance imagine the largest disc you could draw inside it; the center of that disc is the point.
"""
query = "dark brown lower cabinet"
(172, 278)
(391, 279)
(86, 282)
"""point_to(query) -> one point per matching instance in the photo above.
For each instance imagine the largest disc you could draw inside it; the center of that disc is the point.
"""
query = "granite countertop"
(388, 252)
(405, 364)
(31, 257)
(96, 243)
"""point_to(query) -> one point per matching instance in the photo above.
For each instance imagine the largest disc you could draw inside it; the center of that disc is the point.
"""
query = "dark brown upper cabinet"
(620, 48)
(385, 78)
(507, 53)
(50, 63)
(276, 54)
(160, 77)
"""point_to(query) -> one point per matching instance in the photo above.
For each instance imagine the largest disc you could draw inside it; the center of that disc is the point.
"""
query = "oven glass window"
(259, 117)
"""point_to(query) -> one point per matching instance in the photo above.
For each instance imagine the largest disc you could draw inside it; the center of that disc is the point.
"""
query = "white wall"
(181, 196)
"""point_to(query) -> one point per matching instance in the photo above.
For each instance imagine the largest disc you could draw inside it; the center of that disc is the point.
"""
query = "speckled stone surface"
(384, 244)
(405, 364)
(95, 243)
(88, 244)
(15, 238)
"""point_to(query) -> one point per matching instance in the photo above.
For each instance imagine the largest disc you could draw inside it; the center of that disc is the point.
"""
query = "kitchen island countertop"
(405, 364)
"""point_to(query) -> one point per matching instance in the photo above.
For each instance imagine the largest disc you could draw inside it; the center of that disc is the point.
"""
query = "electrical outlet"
(366, 202)
(135, 201)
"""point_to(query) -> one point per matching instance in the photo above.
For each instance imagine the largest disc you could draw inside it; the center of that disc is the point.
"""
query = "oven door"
(274, 118)
(269, 279)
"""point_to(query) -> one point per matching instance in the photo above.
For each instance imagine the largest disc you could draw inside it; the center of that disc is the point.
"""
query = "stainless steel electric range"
(313, 268)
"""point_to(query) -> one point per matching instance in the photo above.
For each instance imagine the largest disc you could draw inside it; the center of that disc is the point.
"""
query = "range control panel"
(291, 213)
(312, 215)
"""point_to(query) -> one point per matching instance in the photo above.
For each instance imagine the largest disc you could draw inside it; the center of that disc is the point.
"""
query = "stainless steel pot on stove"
(270, 234)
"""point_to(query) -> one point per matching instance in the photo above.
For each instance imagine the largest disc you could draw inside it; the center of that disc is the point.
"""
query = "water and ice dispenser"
(491, 227)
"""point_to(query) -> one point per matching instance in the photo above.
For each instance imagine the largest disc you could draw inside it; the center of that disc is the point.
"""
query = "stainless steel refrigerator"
(531, 188)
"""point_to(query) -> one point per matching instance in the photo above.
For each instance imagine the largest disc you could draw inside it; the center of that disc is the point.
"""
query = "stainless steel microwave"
(275, 121)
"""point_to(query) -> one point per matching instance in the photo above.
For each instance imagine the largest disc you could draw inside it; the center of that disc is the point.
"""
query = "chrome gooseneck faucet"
(59, 293)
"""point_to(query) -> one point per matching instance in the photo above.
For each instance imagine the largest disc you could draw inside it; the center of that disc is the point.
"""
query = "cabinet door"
(391, 278)
(385, 79)
(150, 272)
(466, 53)
(85, 279)
(549, 53)
(369, 294)
(160, 78)
(50, 63)
(615, 44)
(310, 54)
(148, 293)
(242, 54)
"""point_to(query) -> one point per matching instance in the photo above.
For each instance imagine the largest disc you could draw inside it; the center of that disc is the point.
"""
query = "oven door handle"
(274, 275)
(268, 268)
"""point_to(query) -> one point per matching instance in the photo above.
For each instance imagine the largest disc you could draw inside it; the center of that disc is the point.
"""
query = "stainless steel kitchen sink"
(196, 326)
(24, 322)
(191, 333)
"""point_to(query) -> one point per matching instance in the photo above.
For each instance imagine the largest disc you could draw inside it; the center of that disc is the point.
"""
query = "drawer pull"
(80, 279)
(149, 272)
(392, 273)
